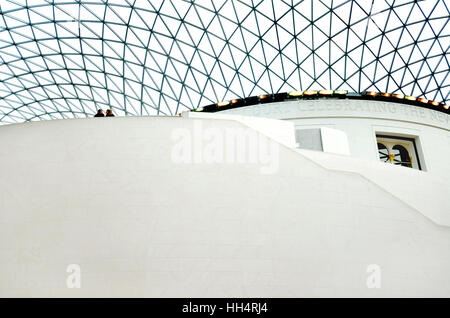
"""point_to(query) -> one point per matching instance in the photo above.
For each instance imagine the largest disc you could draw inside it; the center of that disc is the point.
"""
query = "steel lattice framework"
(63, 59)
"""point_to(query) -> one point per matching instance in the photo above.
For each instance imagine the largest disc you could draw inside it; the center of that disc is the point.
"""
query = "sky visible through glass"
(65, 59)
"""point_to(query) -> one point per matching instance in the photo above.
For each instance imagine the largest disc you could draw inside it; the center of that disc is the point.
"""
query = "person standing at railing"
(99, 113)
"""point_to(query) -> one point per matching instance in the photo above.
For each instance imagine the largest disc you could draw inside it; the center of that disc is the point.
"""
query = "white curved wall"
(362, 119)
(106, 194)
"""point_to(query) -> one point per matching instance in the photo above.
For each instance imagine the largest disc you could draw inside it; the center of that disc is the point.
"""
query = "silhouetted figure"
(109, 113)
(99, 113)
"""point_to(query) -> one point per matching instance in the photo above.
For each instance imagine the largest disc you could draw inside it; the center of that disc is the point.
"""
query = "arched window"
(401, 156)
(398, 150)
(383, 152)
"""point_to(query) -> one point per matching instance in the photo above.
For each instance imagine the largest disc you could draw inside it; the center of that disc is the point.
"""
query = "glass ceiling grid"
(65, 59)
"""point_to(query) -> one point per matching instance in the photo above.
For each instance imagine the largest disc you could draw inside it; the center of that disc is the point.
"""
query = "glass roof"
(64, 59)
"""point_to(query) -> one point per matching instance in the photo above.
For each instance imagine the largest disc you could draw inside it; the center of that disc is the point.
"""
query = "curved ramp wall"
(106, 195)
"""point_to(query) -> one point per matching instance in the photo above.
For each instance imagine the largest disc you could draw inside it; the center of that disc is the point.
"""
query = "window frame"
(410, 139)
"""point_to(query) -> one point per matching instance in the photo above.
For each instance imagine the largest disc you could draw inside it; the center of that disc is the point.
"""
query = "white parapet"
(323, 139)
(279, 130)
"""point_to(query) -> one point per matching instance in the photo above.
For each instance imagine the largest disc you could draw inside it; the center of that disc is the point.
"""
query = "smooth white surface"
(104, 193)
(334, 141)
(280, 131)
(424, 192)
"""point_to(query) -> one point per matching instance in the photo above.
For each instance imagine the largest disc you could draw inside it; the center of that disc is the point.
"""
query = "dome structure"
(310, 157)
(65, 59)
